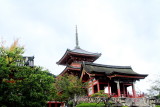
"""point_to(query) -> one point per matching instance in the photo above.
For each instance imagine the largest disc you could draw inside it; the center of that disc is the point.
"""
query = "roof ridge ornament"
(77, 42)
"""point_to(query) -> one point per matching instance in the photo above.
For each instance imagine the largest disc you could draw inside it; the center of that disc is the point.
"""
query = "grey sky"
(126, 32)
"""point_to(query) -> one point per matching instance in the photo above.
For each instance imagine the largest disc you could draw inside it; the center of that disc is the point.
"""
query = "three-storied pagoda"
(113, 79)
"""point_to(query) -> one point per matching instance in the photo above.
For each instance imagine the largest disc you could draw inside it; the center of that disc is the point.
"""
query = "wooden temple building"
(113, 79)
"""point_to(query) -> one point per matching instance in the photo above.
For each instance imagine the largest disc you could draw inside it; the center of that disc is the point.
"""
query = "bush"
(99, 94)
(90, 105)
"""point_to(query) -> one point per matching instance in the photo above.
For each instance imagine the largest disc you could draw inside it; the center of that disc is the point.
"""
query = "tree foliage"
(22, 85)
(67, 86)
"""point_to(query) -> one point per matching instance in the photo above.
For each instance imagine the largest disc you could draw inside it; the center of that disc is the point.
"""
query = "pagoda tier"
(77, 55)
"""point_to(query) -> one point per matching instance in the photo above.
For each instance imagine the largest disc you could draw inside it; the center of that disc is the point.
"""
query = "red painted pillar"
(49, 103)
(118, 89)
(124, 90)
(98, 86)
(133, 90)
(56, 104)
(93, 90)
(109, 91)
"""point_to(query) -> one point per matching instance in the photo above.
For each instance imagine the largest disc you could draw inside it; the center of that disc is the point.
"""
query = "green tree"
(36, 87)
(67, 87)
(22, 85)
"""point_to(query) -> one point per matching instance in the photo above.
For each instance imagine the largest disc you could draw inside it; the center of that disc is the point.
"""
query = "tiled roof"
(77, 52)
(109, 69)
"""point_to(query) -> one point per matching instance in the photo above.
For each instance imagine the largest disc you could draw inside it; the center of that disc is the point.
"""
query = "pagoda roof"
(109, 70)
(70, 68)
(81, 51)
(77, 52)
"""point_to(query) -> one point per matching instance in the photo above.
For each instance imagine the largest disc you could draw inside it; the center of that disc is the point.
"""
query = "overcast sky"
(126, 32)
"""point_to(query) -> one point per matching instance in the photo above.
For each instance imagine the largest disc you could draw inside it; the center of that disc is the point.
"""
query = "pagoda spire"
(77, 42)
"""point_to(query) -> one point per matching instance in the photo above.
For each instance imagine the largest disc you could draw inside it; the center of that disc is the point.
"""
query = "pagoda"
(114, 80)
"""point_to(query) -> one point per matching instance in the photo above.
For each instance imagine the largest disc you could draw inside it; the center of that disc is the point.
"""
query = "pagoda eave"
(126, 76)
(68, 55)
(67, 69)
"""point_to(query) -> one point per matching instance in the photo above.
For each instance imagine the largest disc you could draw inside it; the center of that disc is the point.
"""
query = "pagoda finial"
(77, 43)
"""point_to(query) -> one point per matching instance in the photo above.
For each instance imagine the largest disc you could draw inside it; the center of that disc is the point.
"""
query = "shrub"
(90, 105)
(99, 94)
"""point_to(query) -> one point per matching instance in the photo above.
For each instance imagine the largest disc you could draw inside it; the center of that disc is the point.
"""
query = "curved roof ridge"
(82, 51)
(108, 66)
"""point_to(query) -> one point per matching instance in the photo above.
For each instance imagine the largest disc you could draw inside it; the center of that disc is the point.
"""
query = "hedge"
(90, 105)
